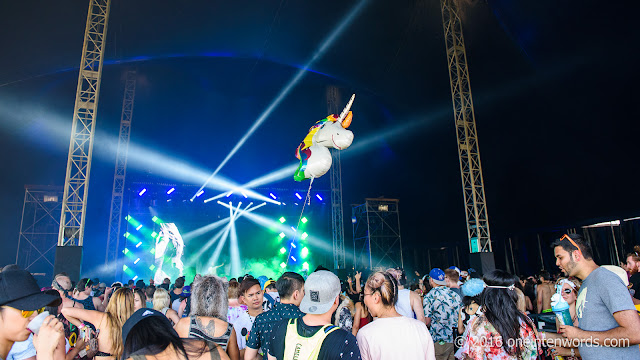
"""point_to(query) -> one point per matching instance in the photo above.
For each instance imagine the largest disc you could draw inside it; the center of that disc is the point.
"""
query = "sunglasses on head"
(566, 237)
(27, 313)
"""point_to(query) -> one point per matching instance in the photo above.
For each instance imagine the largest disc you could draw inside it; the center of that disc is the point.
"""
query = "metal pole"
(513, 260)
(540, 251)
(615, 245)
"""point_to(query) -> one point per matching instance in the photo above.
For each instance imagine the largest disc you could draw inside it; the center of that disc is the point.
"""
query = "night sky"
(554, 86)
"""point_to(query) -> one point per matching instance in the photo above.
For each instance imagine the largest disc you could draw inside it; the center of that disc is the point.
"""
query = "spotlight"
(293, 229)
(304, 220)
(125, 251)
(282, 235)
(207, 200)
(128, 217)
(293, 245)
(229, 193)
(138, 244)
(305, 266)
(124, 267)
(294, 259)
(298, 196)
(243, 194)
(154, 234)
(200, 193)
(152, 267)
(137, 261)
(319, 197)
(282, 265)
(127, 234)
(135, 278)
(283, 250)
(154, 219)
(304, 252)
(304, 236)
(282, 219)
(139, 227)
(142, 191)
(272, 196)
(171, 190)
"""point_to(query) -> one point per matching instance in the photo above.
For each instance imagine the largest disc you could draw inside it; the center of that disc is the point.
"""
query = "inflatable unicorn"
(313, 152)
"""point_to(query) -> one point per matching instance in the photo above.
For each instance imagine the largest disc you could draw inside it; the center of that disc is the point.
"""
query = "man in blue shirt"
(291, 289)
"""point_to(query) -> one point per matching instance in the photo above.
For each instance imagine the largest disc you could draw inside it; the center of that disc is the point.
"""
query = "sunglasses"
(567, 291)
(566, 237)
(27, 313)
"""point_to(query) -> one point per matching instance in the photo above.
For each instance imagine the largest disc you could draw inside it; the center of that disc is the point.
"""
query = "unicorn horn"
(344, 112)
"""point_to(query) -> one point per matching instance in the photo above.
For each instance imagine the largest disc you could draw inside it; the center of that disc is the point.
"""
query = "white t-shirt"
(395, 338)
(242, 327)
(22, 350)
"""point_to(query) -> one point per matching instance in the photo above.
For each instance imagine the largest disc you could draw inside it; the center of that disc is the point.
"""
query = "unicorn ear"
(345, 112)
(347, 120)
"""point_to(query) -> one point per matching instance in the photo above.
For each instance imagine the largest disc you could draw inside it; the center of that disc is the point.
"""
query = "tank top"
(197, 332)
(300, 347)
(87, 303)
(403, 306)
(364, 321)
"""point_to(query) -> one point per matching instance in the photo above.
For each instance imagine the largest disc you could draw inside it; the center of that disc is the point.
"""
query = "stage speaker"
(68, 260)
(482, 262)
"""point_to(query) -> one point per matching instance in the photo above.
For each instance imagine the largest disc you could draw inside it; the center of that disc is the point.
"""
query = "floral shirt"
(484, 342)
(441, 304)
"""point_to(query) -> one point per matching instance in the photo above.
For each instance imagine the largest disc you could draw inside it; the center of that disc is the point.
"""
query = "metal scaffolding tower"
(115, 215)
(39, 229)
(337, 222)
(76, 184)
(468, 152)
(376, 234)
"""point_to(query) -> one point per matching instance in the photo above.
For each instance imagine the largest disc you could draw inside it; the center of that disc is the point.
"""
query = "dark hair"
(468, 300)
(130, 282)
(179, 282)
(149, 291)
(501, 310)
(140, 284)
(288, 283)
(567, 246)
(83, 284)
(271, 286)
(247, 284)
(544, 274)
(152, 335)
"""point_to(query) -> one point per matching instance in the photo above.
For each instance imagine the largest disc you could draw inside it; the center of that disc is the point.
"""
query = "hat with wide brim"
(19, 290)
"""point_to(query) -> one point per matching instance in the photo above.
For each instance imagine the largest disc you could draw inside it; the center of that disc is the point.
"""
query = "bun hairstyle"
(386, 284)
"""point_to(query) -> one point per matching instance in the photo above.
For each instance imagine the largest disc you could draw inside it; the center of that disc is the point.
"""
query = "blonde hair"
(160, 299)
(119, 310)
(386, 284)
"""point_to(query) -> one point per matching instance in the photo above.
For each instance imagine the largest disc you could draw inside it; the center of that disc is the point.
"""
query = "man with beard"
(609, 326)
(633, 264)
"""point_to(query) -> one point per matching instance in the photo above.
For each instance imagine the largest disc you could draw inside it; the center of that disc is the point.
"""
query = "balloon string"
(307, 200)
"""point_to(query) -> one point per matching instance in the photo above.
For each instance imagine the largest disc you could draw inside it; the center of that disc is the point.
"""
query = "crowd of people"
(444, 314)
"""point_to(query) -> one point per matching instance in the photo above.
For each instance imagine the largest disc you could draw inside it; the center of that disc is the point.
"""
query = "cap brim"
(439, 282)
(309, 307)
(35, 301)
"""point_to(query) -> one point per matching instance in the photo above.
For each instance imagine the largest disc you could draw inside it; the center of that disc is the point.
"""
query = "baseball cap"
(262, 279)
(186, 291)
(19, 290)
(269, 282)
(321, 289)
(437, 275)
(139, 316)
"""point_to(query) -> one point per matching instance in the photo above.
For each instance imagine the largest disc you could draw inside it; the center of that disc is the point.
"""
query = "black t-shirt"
(635, 281)
(339, 344)
(173, 298)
